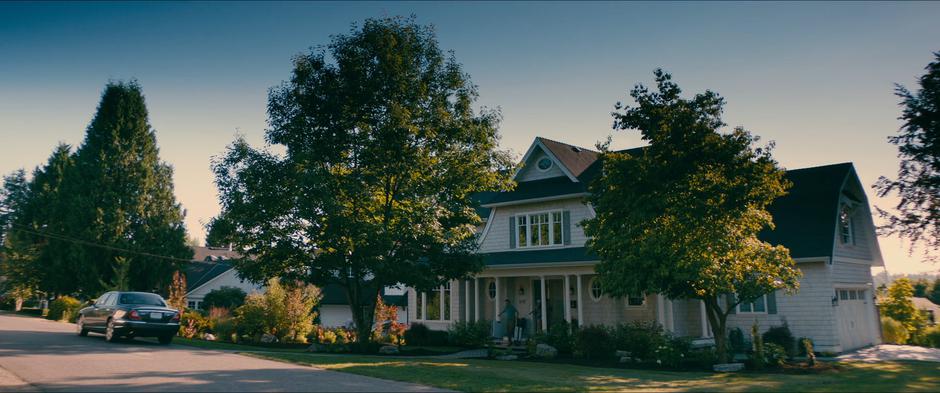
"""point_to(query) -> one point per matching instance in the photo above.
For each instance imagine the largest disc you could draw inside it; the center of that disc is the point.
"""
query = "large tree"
(383, 152)
(918, 183)
(121, 202)
(681, 217)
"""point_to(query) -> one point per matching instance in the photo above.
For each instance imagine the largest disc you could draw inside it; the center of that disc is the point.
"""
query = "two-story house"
(535, 256)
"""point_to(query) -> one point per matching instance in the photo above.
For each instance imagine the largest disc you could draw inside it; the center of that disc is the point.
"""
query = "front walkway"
(887, 352)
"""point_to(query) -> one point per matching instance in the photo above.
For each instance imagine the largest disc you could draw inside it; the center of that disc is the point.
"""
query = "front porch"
(570, 295)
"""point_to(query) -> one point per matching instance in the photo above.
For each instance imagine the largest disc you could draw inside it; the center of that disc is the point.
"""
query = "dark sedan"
(129, 314)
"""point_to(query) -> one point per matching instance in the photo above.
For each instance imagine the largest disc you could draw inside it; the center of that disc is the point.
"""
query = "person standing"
(511, 313)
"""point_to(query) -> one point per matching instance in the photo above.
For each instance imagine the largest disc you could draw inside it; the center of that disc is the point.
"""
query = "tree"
(177, 292)
(918, 181)
(383, 153)
(920, 287)
(934, 294)
(227, 297)
(17, 260)
(899, 307)
(681, 217)
(120, 197)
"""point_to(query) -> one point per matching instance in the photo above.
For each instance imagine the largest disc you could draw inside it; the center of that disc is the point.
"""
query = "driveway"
(49, 356)
(887, 352)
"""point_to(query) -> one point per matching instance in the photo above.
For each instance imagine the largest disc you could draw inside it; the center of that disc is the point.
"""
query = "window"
(544, 164)
(846, 229)
(758, 306)
(434, 305)
(853, 295)
(146, 299)
(596, 291)
(102, 300)
(843, 294)
(635, 300)
(491, 289)
(539, 229)
(191, 304)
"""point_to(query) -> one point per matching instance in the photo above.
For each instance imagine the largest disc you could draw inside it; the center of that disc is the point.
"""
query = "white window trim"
(551, 229)
(763, 297)
(590, 287)
(847, 207)
(421, 313)
(550, 165)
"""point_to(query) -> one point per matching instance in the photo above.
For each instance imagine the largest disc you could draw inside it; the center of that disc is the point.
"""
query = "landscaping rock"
(545, 351)
(315, 348)
(622, 354)
(268, 339)
(208, 337)
(728, 367)
(388, 350)
(507, 357)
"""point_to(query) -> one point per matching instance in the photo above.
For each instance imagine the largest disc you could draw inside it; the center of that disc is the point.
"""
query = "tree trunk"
(18, 304)
(717, 320)
(363, 313)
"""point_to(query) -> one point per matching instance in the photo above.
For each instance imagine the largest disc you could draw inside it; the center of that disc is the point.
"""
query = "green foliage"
(193, 324)
(681, 217)
(920, 287)
(471, 334)
(893, 331)
(64, 308)
(593, 342)
(931, 337)
(559, 336)
(672, 353)
(774, 355)
(934, 293)
(899, 307)
(177, 291)
(225, 330)
(251, 319)
(918, 141)
(284, 310)
(757, 356)
(736, 340)
(420, 334)
(384, 156)
(806, 349)
(640, 338)
(228, 297)
(781, 335)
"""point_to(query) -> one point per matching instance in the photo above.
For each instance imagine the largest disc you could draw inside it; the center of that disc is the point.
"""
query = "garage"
(855, 326)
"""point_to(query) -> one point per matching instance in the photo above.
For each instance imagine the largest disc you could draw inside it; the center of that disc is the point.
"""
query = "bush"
(285, 311)
(893, 331)
(641, 339)
(594, 342)
(251, 319)
(470, 334)
(672, 352)
(559, 336)
(774, 355)
(932, 336)
(192, 324)
(736, 340)
(227, 297)
(225, 330)
(806, 348)
(417, 334)
(780, 335)
(757, 358)
(64, 308)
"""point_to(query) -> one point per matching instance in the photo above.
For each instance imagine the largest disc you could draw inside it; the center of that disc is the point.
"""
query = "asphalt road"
(36, 354)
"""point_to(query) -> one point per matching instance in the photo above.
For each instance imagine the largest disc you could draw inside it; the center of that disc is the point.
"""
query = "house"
(930, 310)
(211, 269)
(534, 248)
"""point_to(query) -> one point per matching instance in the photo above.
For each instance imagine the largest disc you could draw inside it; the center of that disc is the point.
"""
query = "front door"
(556, 301)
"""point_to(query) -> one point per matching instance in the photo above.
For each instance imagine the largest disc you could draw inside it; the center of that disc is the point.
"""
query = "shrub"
(672, 352)
(417, 334)
(251, 318)
(774, 355)
(736, 340)
(559, 336)
(225, 330)
(285, 311)
(806, 348)
(193, 324)
(64, 308)
(469, 333)
(757, 356)
(227, 297)
(702, 358)
(641, 339)
(593, 342)
(893, 331)
(780, 335)
(932, 337)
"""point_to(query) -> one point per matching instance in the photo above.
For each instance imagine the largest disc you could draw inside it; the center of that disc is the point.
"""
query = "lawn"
(492, 375)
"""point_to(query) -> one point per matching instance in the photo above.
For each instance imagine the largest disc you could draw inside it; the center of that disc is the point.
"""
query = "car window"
(103, 299)
(146, 299)
(112, 300)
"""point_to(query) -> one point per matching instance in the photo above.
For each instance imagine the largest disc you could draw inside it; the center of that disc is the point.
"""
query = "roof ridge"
(566, 144)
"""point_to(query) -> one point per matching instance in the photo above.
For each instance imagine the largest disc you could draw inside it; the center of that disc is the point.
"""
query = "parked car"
(129, 314)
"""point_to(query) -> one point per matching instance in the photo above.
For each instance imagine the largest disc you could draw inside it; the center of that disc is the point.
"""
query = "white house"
(534, 248)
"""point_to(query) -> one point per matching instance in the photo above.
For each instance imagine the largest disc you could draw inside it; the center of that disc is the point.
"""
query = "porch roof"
(551, 255)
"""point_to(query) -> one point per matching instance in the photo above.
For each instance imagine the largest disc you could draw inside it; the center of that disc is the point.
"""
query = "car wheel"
(165, 340)
(109, 334)
(80, 326)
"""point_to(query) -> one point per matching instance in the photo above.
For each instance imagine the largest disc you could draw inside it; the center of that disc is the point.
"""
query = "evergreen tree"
(934, 293)
(920, 287)
(121, 195)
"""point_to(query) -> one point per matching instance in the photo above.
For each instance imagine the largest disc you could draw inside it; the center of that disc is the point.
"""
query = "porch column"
(476, 298)
(660, 310)
(705, 330)
(580, 305)
(670, 316)
(544, 301)
(466, 300)
(496, 300)
(567, 297)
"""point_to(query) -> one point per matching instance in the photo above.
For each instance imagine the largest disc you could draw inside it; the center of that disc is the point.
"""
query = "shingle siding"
(497, 238)
(531, 172)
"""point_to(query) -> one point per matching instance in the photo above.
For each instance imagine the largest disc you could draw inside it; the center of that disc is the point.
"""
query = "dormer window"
(539, 229)
(544, 164)
(846, 226)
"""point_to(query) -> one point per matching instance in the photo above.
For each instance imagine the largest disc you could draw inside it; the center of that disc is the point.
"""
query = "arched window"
(492, 290)
(596, 289)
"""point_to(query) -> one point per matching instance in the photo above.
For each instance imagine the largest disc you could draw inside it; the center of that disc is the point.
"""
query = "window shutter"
(512, 232)
(772, 302)
(729, 299)
(566, 227)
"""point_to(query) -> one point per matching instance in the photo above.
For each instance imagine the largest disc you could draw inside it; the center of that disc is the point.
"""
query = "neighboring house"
(534, 248)
(211, 270)
(931, 311)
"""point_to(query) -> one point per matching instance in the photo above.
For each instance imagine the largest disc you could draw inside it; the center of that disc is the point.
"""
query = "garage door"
(855, 330)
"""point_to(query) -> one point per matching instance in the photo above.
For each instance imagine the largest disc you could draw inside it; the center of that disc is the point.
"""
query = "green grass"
(229, 346)
(492, 375)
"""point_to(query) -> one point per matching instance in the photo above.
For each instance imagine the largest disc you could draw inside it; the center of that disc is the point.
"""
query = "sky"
(816, 78)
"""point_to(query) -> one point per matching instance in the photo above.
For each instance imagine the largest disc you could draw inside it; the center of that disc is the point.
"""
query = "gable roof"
(198, 273)
(575, 158)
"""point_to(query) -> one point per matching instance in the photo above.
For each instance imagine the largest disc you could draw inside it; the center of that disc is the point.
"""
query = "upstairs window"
(539, 229)
(846, 226)
(758, 306)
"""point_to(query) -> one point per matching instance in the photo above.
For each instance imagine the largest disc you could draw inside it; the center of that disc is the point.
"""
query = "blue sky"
(817, 78)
